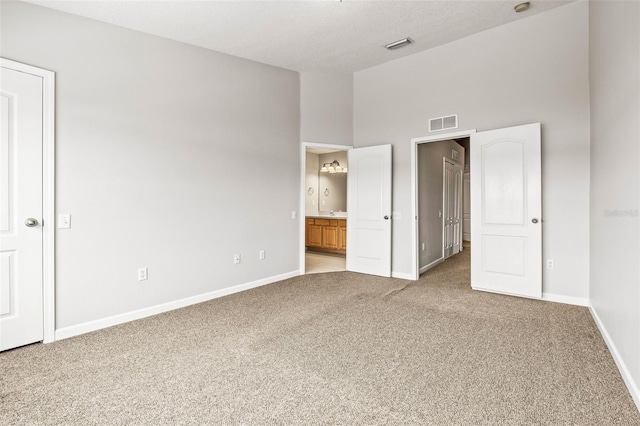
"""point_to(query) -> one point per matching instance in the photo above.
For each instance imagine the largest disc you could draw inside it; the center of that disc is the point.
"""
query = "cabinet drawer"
(309, 221)
(322, 222)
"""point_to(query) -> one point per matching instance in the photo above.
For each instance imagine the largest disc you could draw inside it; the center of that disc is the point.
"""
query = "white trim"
(90, 326)
(415, 272)
(633, 387)
(568, 300)
(303, 193)
(48, 191)
(425, 268)
(401, 275)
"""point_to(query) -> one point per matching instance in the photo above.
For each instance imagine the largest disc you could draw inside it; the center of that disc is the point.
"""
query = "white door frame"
(414, 188)
(303, 193)
(48, 191)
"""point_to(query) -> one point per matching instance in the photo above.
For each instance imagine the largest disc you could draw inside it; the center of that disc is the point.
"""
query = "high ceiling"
(327, 36)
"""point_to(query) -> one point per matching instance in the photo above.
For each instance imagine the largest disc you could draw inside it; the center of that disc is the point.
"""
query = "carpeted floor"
(339, 348)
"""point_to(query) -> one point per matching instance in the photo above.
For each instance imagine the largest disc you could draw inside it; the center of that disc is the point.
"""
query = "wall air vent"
(443, 123)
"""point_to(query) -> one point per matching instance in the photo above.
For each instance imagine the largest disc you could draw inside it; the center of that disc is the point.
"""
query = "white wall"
(531, 70)
(615, 178)
(430, 196)
(326, 108)
(166, 157)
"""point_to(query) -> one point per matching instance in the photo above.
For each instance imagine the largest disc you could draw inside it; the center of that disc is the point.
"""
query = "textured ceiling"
(328, 36)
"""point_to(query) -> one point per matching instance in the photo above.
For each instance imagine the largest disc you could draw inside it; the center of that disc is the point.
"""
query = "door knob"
(31, 222)
(386, 217)
(534, 220)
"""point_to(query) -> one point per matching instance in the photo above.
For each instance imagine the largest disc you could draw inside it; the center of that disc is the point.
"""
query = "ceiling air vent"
(443, 123)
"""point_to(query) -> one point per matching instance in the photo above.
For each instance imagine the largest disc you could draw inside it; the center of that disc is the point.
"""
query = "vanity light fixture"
(398, 44)
(333, 167)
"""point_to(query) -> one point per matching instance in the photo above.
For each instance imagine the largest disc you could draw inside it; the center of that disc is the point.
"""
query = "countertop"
(337, 215)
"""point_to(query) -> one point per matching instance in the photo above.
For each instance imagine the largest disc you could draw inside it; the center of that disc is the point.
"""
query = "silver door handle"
(534, 220)
(31, 222)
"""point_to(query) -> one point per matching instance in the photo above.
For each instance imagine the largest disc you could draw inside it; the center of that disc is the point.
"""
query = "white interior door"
(369, 210)
(466, 227)
(21, 243)
(452, 208)
(506, 223)
(447, 208)
(457, 208)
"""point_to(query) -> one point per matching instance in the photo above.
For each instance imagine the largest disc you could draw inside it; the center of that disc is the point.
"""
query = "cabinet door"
(308, 222)
(330, 237)
(342, 235)
(314, 236)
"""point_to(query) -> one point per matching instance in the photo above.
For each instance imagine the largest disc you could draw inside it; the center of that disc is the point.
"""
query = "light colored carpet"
(340, 348)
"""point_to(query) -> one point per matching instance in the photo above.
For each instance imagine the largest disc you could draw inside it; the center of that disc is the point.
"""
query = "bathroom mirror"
(325, 192)
(332, 192)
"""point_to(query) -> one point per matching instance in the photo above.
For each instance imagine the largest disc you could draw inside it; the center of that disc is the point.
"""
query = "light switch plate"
(397, 216)
(64, 221)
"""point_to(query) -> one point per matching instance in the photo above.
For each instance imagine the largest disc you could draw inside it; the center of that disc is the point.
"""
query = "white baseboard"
(431, 265)
(87, 327)
(569, 300)
(402, 275)
(634, 390)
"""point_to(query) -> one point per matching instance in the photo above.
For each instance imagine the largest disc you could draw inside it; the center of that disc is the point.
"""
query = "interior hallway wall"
(615, 177)
(165, 159)
(527, 71)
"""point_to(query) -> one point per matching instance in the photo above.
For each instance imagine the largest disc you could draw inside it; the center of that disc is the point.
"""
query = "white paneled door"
(21, 233)
(466, 227)
(369, 210)
(452, 208)
(506, 226)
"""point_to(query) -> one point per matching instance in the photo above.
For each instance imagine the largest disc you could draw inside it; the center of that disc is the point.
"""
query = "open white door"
(369, 210)
(506, 224)
(21, 210)
(457, 210)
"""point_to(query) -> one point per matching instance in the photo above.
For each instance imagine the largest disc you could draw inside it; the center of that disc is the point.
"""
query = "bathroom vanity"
(326, 233)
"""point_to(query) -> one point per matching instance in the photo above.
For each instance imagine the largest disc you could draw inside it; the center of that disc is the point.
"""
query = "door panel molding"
(48, 190)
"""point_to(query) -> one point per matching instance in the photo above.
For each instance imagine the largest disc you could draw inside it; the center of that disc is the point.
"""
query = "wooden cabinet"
(330, 237)
(326, 234)
(342, 235)
(315, 236)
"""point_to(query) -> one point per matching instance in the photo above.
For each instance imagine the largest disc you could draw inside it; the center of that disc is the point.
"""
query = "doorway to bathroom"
(324, 230)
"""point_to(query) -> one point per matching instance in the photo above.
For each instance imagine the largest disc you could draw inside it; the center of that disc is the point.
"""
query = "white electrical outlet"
(236, 259)
(64, 221)
(143, 274)
(293, 214)
(549, 263)
(439, 213)
(397, 216)
(261, 255)
(422, 246)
